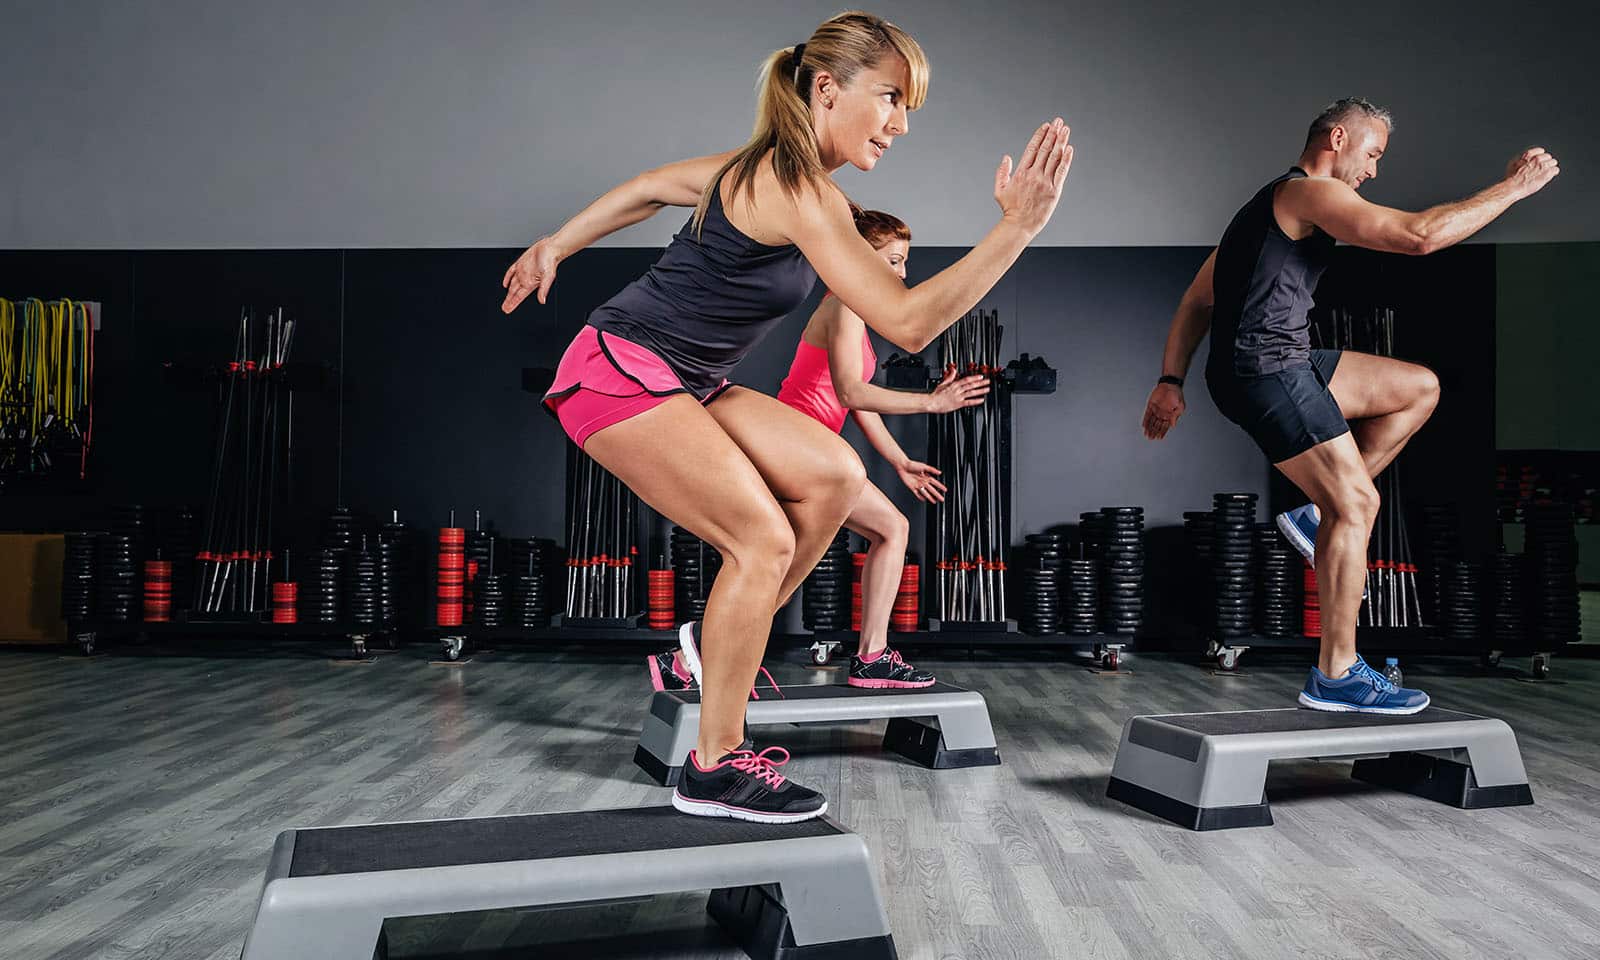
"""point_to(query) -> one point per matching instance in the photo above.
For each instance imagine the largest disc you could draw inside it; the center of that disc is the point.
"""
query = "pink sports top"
(809, 385)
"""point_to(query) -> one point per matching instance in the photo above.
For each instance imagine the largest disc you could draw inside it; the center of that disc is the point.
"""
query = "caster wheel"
(87, 646)
(1541, 666)
(1228, 659)
(452, 647)
(1110, 660)
(1491, 660)
(821, 653)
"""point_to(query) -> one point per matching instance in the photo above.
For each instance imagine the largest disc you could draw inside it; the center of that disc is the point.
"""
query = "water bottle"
(1391, 670)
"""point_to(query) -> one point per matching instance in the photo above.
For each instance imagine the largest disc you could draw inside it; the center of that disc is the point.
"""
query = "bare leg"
(1334, 475)
(887, 531)
(1386, 402)
(704, 482)
(814, 474)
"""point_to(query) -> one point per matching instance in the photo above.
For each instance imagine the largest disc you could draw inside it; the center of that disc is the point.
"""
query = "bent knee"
(1428, 389)
(764, 543)
(844, 473)
(1355, 502)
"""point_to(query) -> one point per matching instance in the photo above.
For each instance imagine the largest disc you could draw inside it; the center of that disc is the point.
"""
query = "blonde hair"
(842, 46)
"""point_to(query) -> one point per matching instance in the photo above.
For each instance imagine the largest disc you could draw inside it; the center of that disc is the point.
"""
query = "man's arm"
(1189, 326)
(1336, 208)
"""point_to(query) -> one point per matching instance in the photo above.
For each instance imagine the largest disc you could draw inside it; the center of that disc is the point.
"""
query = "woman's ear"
(824, 89)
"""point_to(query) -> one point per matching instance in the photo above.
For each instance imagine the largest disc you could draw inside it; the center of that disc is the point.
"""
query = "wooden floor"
(139, 797)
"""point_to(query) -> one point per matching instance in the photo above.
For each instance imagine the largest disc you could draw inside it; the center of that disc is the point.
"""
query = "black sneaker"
(888, 672)
(664, 673)
(745, 785)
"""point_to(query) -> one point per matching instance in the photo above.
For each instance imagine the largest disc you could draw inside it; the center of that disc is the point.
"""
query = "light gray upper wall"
(378, 123)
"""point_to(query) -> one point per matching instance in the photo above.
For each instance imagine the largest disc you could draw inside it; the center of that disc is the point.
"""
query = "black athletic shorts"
(1286, 412)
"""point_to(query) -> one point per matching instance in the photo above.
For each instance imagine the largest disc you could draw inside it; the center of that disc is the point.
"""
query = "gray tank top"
(709, 300)
(1263, 283)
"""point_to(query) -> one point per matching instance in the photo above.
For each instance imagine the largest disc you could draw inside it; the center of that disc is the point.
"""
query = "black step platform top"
(1297, 718)
(376, 847)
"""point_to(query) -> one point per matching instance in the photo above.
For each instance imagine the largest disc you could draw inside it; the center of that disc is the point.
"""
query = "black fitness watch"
(1169, 378)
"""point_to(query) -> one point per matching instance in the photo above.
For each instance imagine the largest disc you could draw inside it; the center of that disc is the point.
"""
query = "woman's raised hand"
(1028, 195)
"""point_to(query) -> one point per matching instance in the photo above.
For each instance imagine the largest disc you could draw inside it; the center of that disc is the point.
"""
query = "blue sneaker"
(1299, 527)
(1362, 690)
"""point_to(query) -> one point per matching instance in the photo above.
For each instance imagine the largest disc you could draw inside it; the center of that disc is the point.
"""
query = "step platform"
(1208, 771)
(962, 736)
(802, 891)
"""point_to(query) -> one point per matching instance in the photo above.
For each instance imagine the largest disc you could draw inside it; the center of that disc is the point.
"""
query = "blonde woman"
(830, 381)
(643, 389)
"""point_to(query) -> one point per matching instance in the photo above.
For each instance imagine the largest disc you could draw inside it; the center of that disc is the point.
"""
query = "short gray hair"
(1342, 111)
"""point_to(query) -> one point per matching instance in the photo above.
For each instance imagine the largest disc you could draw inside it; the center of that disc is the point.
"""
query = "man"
(1329, 421)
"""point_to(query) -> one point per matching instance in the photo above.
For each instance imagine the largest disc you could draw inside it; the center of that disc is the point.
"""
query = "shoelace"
(756, 696)
(761, 766)
(1378, 680)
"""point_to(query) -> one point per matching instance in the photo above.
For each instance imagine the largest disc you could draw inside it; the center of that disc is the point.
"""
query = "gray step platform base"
(1208, 771)
(963, 736)
(802, 891)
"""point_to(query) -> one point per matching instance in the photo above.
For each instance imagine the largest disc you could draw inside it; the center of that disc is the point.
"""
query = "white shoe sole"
(1333, 706)
(708, 808)
(1291, 532)
(691, 656)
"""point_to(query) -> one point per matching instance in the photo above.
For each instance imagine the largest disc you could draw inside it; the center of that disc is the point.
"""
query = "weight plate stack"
(1199, 528)
(694, 569)
(528, 584)
(858, 563)
(479, 545)
(77, 577)
(1121, 531)
(327, 597)
(1311, 610)
(660, 600)
(1081, 597)
(450, 578)
(1089, 533)
(1278, 566)
(178, 544)
(905, 616)
(1461, 618)
(114, 587)
(1441, 545)
(1508, 624)
(1232, 579)
(1551, 554)
(158, 591)
(395, 556)
(339, 530)
(361, 586)
(285, 601)
(825, 595)
(490, 607)
(1047, 552)
(130, 521)
(1041, 602)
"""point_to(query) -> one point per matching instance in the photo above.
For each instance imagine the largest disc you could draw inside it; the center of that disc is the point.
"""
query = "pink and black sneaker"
(887, 672)
(665, 674)
(746, 785)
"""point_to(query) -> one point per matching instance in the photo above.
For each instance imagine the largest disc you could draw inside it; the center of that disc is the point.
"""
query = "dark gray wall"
(381, 123)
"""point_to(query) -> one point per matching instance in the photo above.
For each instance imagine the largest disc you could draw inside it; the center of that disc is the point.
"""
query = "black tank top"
(709, 300)
(1263, 283)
